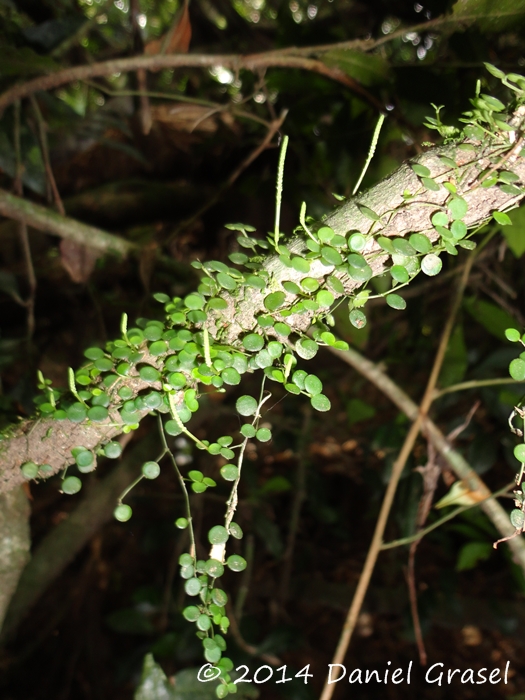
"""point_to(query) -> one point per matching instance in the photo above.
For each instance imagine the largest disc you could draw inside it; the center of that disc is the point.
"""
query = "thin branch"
(235, 62)
(42, 135)
(397, 469)
(29, 303)
(49, 221)
(418, 536)
(474, 384)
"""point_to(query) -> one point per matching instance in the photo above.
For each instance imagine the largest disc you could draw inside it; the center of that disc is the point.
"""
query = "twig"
(418, 536)
(49, 221)
(473, 384)
(42, 136)
(235, 62)
(397, 469)
(29, 303)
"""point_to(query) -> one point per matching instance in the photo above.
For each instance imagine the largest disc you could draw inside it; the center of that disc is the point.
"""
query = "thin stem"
(193, 550)
(397, 469)
(279, 192)
(177, 419)
(130, 487)
(474, 384)
(438, 523)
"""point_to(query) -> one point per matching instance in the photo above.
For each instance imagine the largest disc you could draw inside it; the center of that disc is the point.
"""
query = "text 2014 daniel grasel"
(437, 673)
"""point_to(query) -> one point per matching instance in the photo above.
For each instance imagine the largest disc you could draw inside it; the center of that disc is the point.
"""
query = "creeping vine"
(267, 311)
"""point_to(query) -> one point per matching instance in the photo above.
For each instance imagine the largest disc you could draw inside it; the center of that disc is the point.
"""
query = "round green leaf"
(420, 243)
(403, 247)
(214, 568)
(309, 284)
(331, 256)
(457, 207)
(150, 470)
(230, 472)
(395, 301)
(77, 412)
(84, 459)
(181, 523)
(274, 301)
(519, 452)
(112, 450)
(431, 264)
(357, 242)
(320, 402)
(246, 405)
(399, 274)
(517, 369)
(253, 342)
(248, 431)
(458, 229)
(122, 513)
(517, 518)
(218, 535)
(93, 353)
(263, 435)
(71, 485)
(512, 334)
(231, 376)
(97, 414)
(313, 385)
(191, 613)
(325, 298)
(153, 333)
(325, 234)
(226, 281)
(236, 562)
(157, 348)
(149, 374)
(301, 265)
(193, 586)
(29, 470)
(103, 364)
(357, 318)
(306, 348)
(420, 170)
(172, 428)
(440, 219)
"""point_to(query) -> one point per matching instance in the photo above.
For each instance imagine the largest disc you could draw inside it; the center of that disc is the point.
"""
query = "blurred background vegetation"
(167, 169)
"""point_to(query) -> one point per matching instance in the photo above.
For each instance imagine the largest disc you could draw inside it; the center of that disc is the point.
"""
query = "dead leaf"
(178, 37)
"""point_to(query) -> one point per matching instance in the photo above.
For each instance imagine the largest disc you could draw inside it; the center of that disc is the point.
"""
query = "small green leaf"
(274, 301)
(253, 342)
(517, 369)
(236, 562)
(309, 284)
(357, 318)
(218, 535)
(430, 184)
(300, 264)
(502, 218)
(230, 472)
(458, 229)
(325, 234)
(313, 385)
(320, 402)
(431, 264)
(420, 170)
(403, 247)
(71, 485)
(246, 405)
(291, 288)
(325, 298)
(457, 207)
(513, 335)
(263, 435)
(395, 301)
(399, 274)
(369, 213)
(357, 242)
(122, 513)
(440, 219)
(248, 431)
(306, 348)
(331, 256)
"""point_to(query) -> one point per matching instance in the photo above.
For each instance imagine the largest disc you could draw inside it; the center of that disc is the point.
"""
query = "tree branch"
(49, 221)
